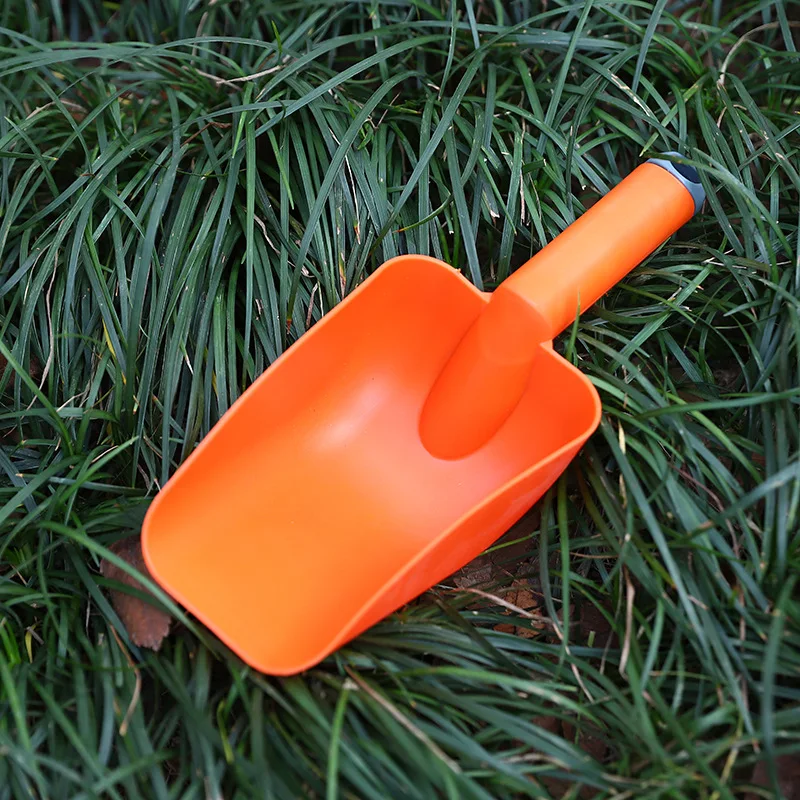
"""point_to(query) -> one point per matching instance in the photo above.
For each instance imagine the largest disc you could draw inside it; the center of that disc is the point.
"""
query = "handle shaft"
(489, 370)
(606, 242)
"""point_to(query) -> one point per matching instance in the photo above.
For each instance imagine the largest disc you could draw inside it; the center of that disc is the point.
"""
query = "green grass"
(186, 187)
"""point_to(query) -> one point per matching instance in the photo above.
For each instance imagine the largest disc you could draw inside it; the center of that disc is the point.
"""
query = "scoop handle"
(597, 250)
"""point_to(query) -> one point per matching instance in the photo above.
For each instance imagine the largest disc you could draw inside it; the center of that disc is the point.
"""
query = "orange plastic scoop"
(396, 440)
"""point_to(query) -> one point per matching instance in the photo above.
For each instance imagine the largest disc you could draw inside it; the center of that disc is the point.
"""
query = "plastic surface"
(603, 245)
(686, 174)
(484, 379)
(313, 509)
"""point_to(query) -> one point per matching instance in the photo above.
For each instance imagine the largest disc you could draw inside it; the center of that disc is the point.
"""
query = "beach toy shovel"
(397, 439)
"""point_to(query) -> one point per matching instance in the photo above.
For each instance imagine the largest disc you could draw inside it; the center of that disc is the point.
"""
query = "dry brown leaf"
(522, 597)
(505, 627)
(510, 559)
(147, 625)
(477, 572)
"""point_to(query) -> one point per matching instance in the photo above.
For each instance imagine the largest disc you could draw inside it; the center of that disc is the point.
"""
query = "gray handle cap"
(685, 174)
